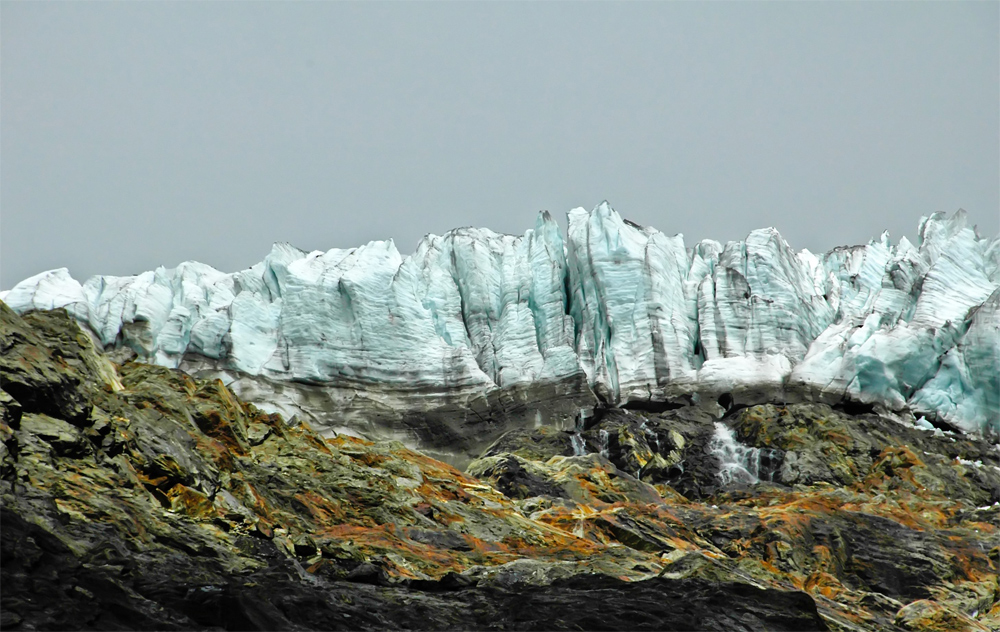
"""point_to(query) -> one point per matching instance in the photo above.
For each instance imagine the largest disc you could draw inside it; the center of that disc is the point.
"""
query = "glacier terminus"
(476, 330)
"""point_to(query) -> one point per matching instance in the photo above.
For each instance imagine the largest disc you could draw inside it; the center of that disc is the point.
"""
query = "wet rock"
(633, 439)
(769, 464)
(657, 470)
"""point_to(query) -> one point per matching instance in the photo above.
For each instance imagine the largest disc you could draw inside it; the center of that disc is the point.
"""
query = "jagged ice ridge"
(627, 310)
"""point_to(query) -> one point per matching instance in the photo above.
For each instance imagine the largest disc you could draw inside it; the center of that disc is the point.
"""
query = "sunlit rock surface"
(494, 324)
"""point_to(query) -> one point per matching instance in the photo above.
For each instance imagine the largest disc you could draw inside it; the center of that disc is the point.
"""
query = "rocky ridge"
(136, 496)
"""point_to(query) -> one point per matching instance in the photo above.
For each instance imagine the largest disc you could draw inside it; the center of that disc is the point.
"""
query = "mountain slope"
(134, 496)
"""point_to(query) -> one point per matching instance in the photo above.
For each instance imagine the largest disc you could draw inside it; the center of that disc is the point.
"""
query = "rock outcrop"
(135, 496)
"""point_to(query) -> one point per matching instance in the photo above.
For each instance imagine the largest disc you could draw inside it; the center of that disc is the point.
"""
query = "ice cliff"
(625, 310)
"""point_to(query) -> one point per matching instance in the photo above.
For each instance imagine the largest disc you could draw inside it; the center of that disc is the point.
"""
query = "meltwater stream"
(605, 452)
(576, 438)
(738, 463)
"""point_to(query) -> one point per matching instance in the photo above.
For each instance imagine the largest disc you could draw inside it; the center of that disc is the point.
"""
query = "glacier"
(482, 325)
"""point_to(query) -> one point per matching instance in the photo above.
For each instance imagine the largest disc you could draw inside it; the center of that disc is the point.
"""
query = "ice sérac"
(626, 313)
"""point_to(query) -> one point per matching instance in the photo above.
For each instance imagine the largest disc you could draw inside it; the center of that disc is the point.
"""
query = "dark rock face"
(668, 447)
(845, 508)
(47, 587)
(40, 379)
(446, 423)
(604, 603)
(136, 497)
(824, 445)
(537, 444)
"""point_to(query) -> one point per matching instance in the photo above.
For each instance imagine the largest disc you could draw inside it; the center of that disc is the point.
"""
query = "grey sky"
(134, 135)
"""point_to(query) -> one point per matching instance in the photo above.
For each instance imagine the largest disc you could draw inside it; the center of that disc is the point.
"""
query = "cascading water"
(603, 434)
(738, 463)
(576, 439)
(650, 435)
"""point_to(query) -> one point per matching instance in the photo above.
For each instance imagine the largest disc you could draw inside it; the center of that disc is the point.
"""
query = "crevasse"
(635, 312)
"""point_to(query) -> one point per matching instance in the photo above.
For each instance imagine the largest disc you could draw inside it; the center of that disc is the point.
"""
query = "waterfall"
(604, 443)
(737, 463)
(650, 435)
(579, 447)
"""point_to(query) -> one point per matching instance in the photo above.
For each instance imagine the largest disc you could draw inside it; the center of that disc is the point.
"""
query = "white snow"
(633, 310)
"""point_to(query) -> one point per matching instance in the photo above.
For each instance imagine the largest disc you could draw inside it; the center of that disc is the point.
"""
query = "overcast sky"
(134, 135)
